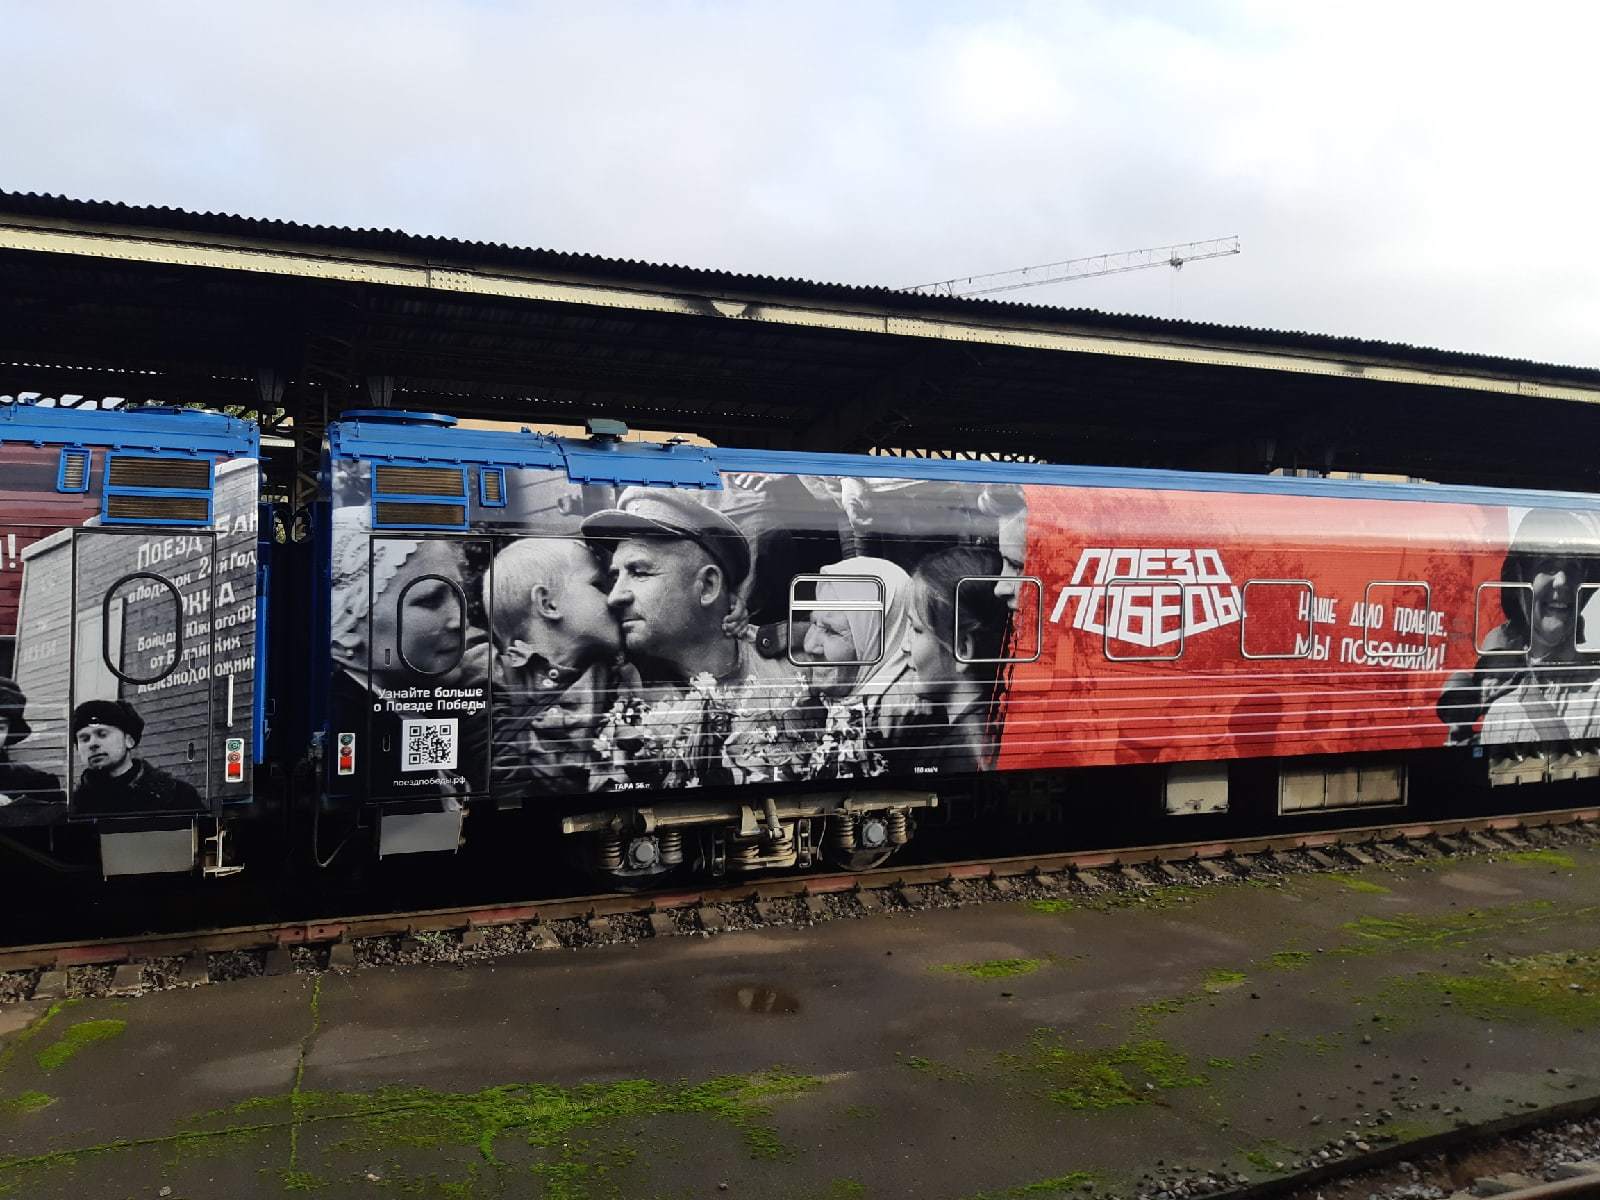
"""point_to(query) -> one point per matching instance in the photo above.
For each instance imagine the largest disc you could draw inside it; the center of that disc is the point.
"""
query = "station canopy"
(295, 323)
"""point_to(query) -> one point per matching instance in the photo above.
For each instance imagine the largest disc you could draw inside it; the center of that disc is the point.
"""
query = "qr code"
(428, 745)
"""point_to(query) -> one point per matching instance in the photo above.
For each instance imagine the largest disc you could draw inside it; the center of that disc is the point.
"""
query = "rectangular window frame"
(67, 454)
(483, 490)
(1586, 591)
(1366, 605)
(880, 606)
(460, 498)
(208, 494)
(1478, 631)
(1038, 613)
(1183, 621)
(1244, 618)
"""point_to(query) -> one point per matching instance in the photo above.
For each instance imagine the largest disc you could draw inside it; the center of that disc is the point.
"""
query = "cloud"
(1414, 173)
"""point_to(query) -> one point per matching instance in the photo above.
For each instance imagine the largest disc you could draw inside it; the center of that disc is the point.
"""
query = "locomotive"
(682, 658)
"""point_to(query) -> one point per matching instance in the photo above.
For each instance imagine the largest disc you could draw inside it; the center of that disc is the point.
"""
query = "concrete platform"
(1013, 1049)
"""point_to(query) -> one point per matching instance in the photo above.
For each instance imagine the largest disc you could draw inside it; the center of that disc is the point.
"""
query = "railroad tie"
(196, 970)
(127, 979)
(662, 925)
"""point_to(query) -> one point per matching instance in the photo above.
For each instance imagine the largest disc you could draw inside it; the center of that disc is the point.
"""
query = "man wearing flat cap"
(113, 781)
(21, 786)
(677, 568)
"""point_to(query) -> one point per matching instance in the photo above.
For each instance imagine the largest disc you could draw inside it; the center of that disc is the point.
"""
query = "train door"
(143, 720)
(426, 701)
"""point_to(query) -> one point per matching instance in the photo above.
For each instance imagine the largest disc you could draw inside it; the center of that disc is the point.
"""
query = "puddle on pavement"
(761, 999)
(1475, 885)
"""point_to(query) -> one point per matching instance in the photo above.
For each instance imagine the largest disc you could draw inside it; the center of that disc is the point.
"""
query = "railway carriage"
(129, 690)
(738, 660)
(681, 657)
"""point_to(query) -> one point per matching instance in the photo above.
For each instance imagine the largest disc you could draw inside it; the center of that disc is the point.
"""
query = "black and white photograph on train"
(135, 661)
(782, 628)
(1537, 677)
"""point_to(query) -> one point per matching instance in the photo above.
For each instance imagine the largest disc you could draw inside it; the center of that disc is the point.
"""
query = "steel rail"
(275, 935)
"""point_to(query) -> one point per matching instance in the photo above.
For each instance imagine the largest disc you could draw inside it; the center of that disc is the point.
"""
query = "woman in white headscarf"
(866, 647)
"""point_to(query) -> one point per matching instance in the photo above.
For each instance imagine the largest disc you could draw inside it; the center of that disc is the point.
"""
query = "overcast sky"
(1419, 173)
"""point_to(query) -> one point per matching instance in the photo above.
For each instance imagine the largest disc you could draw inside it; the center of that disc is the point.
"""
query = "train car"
(737, 660)
(129, 696)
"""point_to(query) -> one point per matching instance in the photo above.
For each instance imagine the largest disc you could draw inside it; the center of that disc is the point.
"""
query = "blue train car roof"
(173, 430)
(422, 438)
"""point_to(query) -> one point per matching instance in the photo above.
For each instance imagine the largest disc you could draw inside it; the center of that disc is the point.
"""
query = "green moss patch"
(76, 1039)
(1059, 1185)
(1406, 931)
(1364, 887)
(1221, 980)
(1543, 858)
(26, 1102)
(1132, 1073)
(1052, 906)
(995, 968)
(1269, 1156)
(29, 1032)
(1562, 987)
(551, 1120)
(1290, 960)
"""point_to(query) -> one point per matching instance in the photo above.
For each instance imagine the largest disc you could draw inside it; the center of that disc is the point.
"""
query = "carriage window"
(999, 619)
(1143, 620)
(836, 620)
(1398, 618)
(1588, 633)
(1493, 630)
(143, 611)
(425, 610)
(1276, 619)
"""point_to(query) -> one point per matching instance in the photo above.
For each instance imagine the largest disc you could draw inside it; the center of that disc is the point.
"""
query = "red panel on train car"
(1184, 625)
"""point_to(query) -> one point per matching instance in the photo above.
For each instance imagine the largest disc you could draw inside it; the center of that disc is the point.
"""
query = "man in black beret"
(114, 782)
(20, 786)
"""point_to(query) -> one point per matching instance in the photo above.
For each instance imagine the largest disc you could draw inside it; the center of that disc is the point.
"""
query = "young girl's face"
(933, 663)
(417, 622)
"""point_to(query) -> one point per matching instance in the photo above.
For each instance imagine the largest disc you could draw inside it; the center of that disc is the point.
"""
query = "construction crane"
(1079, 268)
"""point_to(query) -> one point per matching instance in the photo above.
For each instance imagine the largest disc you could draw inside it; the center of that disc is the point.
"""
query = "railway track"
(130, 965)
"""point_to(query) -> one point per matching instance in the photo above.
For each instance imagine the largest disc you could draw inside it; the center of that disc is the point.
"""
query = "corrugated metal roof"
(393, 241)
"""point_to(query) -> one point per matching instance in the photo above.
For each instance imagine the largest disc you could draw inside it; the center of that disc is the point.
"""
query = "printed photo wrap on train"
(798, 628)
(127, 652)
(784, 628)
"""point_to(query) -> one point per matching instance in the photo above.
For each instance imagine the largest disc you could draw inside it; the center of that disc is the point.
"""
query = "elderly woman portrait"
(861, 656)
